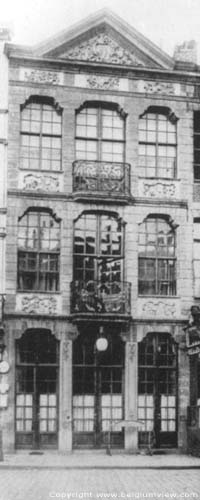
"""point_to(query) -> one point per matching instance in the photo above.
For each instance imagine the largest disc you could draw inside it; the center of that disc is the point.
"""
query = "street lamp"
(101, 342)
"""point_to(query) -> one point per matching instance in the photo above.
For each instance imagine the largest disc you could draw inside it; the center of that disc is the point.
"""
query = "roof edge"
(104, 16)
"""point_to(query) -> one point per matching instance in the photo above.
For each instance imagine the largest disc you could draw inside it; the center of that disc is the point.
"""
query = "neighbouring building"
(103, 240)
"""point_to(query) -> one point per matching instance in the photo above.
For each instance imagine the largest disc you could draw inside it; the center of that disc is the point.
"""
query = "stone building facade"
(103, 204)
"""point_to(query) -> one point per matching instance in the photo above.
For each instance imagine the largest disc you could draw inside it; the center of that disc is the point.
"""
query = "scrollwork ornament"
(102, 48)
(66, 349)
(132, 350)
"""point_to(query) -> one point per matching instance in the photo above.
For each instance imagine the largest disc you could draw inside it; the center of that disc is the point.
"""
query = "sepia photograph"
(99, 249)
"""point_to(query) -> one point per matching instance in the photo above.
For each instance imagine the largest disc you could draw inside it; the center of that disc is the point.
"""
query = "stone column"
(131, 432)
(65, 399)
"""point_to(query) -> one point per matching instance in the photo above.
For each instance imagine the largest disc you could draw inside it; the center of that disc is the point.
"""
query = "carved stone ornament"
(159, 308)
(31, 304)
(132, 350)
(66, 349)
(38, 76)
(102, 48)
(102, 83)
(35, 182)
(159, 189)
(159, 88)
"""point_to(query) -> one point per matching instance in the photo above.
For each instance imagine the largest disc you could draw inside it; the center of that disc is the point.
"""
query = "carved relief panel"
(102, 48)
(158, 308)
(97, 82)
(48, 182)
(165, 88)
(38, 304)
(159, 188)
(31, 75)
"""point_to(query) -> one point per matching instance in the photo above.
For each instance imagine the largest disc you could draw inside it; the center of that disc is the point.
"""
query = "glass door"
(36, 419)
(157, 389)
(98, 388)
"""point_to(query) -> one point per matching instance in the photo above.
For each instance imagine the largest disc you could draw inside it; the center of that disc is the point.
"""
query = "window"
(98, 248)
(100, 134)
(38, 252)
(157, 263)
(196, 257)
(41, 129)
(157, 145)
(197, 145)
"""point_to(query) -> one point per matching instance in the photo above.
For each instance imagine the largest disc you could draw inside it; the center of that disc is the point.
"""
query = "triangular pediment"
(105, 39)
(102, 48)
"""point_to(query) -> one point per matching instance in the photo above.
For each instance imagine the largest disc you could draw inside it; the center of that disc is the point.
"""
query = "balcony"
(100, 180)
(97, 297)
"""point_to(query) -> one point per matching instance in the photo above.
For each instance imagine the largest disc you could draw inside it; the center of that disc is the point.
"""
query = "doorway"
(98, 391)
(36, 415)
(157, 389)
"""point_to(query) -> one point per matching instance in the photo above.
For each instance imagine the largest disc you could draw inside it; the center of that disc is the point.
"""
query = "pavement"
(48, 484)
(97, 460)
(94, 475)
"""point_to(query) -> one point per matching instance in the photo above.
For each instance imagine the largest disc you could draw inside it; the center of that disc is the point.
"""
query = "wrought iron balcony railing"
(100, 298)
(101, 177)
(194, 416)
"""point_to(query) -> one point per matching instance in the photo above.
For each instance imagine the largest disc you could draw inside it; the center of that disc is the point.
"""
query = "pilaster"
(131, 377)
(65, 384)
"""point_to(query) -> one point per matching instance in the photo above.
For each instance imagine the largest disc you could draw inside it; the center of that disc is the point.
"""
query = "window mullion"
(157, 130)
(40, 137)
(38, 250)
(98, 245)
(99, 134)
(38, 269)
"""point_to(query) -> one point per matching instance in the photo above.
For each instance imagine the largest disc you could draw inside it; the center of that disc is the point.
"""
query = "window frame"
(99, 140)
(196, 134)
(170, 281)
(41, 102)
(40, 275)
(97, 256)
(171, 118)
(196, 241)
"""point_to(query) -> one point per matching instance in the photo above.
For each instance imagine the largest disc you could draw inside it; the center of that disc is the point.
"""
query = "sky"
(165, 22)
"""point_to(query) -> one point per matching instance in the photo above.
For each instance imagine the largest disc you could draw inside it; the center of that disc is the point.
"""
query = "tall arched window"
(41, 134)
(157, 143)
(38, 251)
(157, 257)
(98, 248)
(100, 133)
(98, 284)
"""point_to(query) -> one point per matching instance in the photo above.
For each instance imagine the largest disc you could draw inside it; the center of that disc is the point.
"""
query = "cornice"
(92, 199)
(76, 66)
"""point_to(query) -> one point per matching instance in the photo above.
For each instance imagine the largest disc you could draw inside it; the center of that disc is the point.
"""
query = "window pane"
(38, 230)
(103, 125)
(39, 123)
(156, 129)
(156, 239)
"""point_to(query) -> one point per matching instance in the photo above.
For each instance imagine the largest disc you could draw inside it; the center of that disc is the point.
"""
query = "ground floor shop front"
(85, 385)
